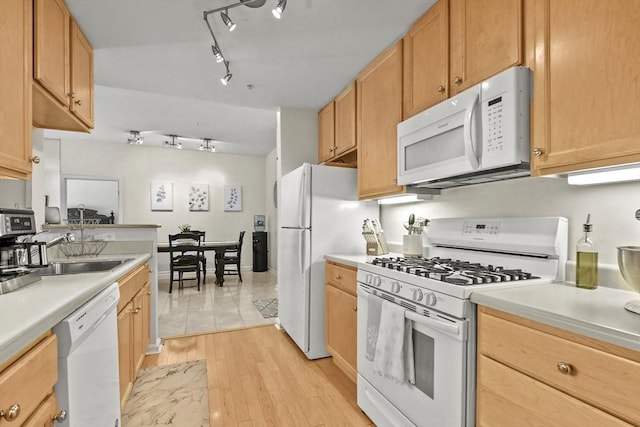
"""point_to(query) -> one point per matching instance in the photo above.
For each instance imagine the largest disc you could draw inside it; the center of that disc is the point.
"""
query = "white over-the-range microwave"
(479, 135)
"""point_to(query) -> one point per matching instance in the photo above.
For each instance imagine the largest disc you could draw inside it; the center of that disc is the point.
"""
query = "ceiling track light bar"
(224, 15)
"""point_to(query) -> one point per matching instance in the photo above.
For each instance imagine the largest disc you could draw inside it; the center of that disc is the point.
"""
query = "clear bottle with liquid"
(586, 259)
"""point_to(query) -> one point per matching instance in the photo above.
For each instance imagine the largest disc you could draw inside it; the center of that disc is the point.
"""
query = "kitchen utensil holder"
(412, 245)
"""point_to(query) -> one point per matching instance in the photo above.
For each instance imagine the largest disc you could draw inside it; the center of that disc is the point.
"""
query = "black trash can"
(260, 251)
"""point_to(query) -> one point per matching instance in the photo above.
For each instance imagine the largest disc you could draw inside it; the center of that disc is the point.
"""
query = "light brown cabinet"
(16, 22)
(484, 38)
(530, 371)
(379, 110)
(63, 70)
(457, 44)
(337, 129)
(26, 385)
(134, 310)
(586, 68)
(426, 60)
(341, 305)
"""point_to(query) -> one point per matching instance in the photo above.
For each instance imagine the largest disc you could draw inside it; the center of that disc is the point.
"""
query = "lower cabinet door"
(124, 351)
(341, 327)
(138, 325)
(45, 415)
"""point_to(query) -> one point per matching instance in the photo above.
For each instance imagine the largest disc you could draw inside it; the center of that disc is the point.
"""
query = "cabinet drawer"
(29, 380)
(342, 277)
(605, 380)
(508, 398)
(131, 284)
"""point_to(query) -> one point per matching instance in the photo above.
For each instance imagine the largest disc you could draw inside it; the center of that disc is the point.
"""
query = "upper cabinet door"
(16, 30)
(426, 61)
(586, 108)
(485, 38)
(51, 55)
(345, 120)
(326, 135)
(379, 110)
(81, 76)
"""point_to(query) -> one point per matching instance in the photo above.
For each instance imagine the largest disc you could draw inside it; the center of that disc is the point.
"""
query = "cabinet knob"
(137, 310)
(440, 89)
(457, 80)
(355, 308)
(72, 95)
(12, 413)
(565, 368)
(537, 152)
(78, 102)
(62, 415)
(35, 160)
(338, 277)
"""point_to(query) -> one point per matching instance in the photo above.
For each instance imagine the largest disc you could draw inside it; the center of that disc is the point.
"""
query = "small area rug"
(267, 307)
(171, 395)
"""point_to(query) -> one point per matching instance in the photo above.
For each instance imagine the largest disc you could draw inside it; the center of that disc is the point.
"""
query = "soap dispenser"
(586, 259)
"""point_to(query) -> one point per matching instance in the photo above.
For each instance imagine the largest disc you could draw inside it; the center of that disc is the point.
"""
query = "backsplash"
(612, 209)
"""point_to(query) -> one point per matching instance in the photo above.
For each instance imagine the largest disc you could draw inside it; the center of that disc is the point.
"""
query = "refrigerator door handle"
(302, 202)
(302, 252)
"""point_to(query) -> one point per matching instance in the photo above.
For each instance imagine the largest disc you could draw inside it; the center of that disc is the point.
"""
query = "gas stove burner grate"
(456, 272)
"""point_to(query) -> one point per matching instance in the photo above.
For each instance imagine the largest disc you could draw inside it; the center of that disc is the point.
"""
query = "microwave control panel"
(495, 121)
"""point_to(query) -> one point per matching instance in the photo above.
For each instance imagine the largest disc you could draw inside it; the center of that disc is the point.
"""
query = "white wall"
(612, 209)
(138, 166)
(271, 211)
(298, 138)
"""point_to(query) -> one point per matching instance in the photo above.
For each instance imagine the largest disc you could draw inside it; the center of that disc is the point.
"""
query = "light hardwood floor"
(258, 377)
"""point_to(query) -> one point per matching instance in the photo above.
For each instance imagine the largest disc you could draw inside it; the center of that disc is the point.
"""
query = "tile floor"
(187, 311)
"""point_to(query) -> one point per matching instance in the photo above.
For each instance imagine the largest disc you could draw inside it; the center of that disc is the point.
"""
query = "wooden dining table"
(219, 247)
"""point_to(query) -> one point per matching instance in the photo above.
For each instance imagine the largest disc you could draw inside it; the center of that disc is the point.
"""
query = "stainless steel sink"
(78, 267)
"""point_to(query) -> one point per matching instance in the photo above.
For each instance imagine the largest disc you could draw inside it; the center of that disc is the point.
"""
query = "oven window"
(423, 357)
(438, 148)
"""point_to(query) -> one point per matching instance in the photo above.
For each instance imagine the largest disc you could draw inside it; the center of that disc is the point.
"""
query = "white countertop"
(350, 260)
(27, 313)
(597, 313)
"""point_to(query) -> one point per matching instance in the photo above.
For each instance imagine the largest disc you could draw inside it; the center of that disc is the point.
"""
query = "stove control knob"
(368, 278)
(417, 295)
(395, 287)
(377, 281)
(431, 299)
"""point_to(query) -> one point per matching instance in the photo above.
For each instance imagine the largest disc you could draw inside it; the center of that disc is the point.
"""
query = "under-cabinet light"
(622, 173)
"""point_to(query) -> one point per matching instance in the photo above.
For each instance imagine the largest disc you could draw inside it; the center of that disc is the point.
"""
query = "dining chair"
(185, 259)
(203, 257)
(232, 258)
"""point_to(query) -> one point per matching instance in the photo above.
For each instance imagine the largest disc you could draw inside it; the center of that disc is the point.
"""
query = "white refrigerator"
(319, 214)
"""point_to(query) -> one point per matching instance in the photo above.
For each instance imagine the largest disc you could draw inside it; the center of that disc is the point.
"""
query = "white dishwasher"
(88, 379)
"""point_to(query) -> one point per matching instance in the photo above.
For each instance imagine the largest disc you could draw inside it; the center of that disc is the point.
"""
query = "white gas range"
(465, 254)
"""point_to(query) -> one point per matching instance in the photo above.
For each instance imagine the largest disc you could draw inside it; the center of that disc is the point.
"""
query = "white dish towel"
(394, 348)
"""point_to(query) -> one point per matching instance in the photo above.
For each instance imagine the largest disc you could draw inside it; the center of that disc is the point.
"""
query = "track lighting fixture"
(173, 143)
(224, 15)
(279, 9)
(227, 76)
(135, 138)
(227, 21)
(208, 145)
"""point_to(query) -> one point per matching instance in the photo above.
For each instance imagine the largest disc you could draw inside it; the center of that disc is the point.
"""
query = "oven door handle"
(448, 329)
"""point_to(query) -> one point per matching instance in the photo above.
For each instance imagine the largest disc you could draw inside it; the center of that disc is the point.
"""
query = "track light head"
(207, 146)
(217, 53)
(227, 21)
(279, 9)
(135, 138)
(228, 75)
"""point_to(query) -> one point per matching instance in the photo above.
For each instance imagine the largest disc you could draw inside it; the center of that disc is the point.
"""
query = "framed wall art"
(232, 198)
(198, 197)
(161, 196)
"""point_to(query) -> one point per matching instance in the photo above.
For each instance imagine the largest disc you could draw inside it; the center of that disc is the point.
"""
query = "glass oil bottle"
(586, 259)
